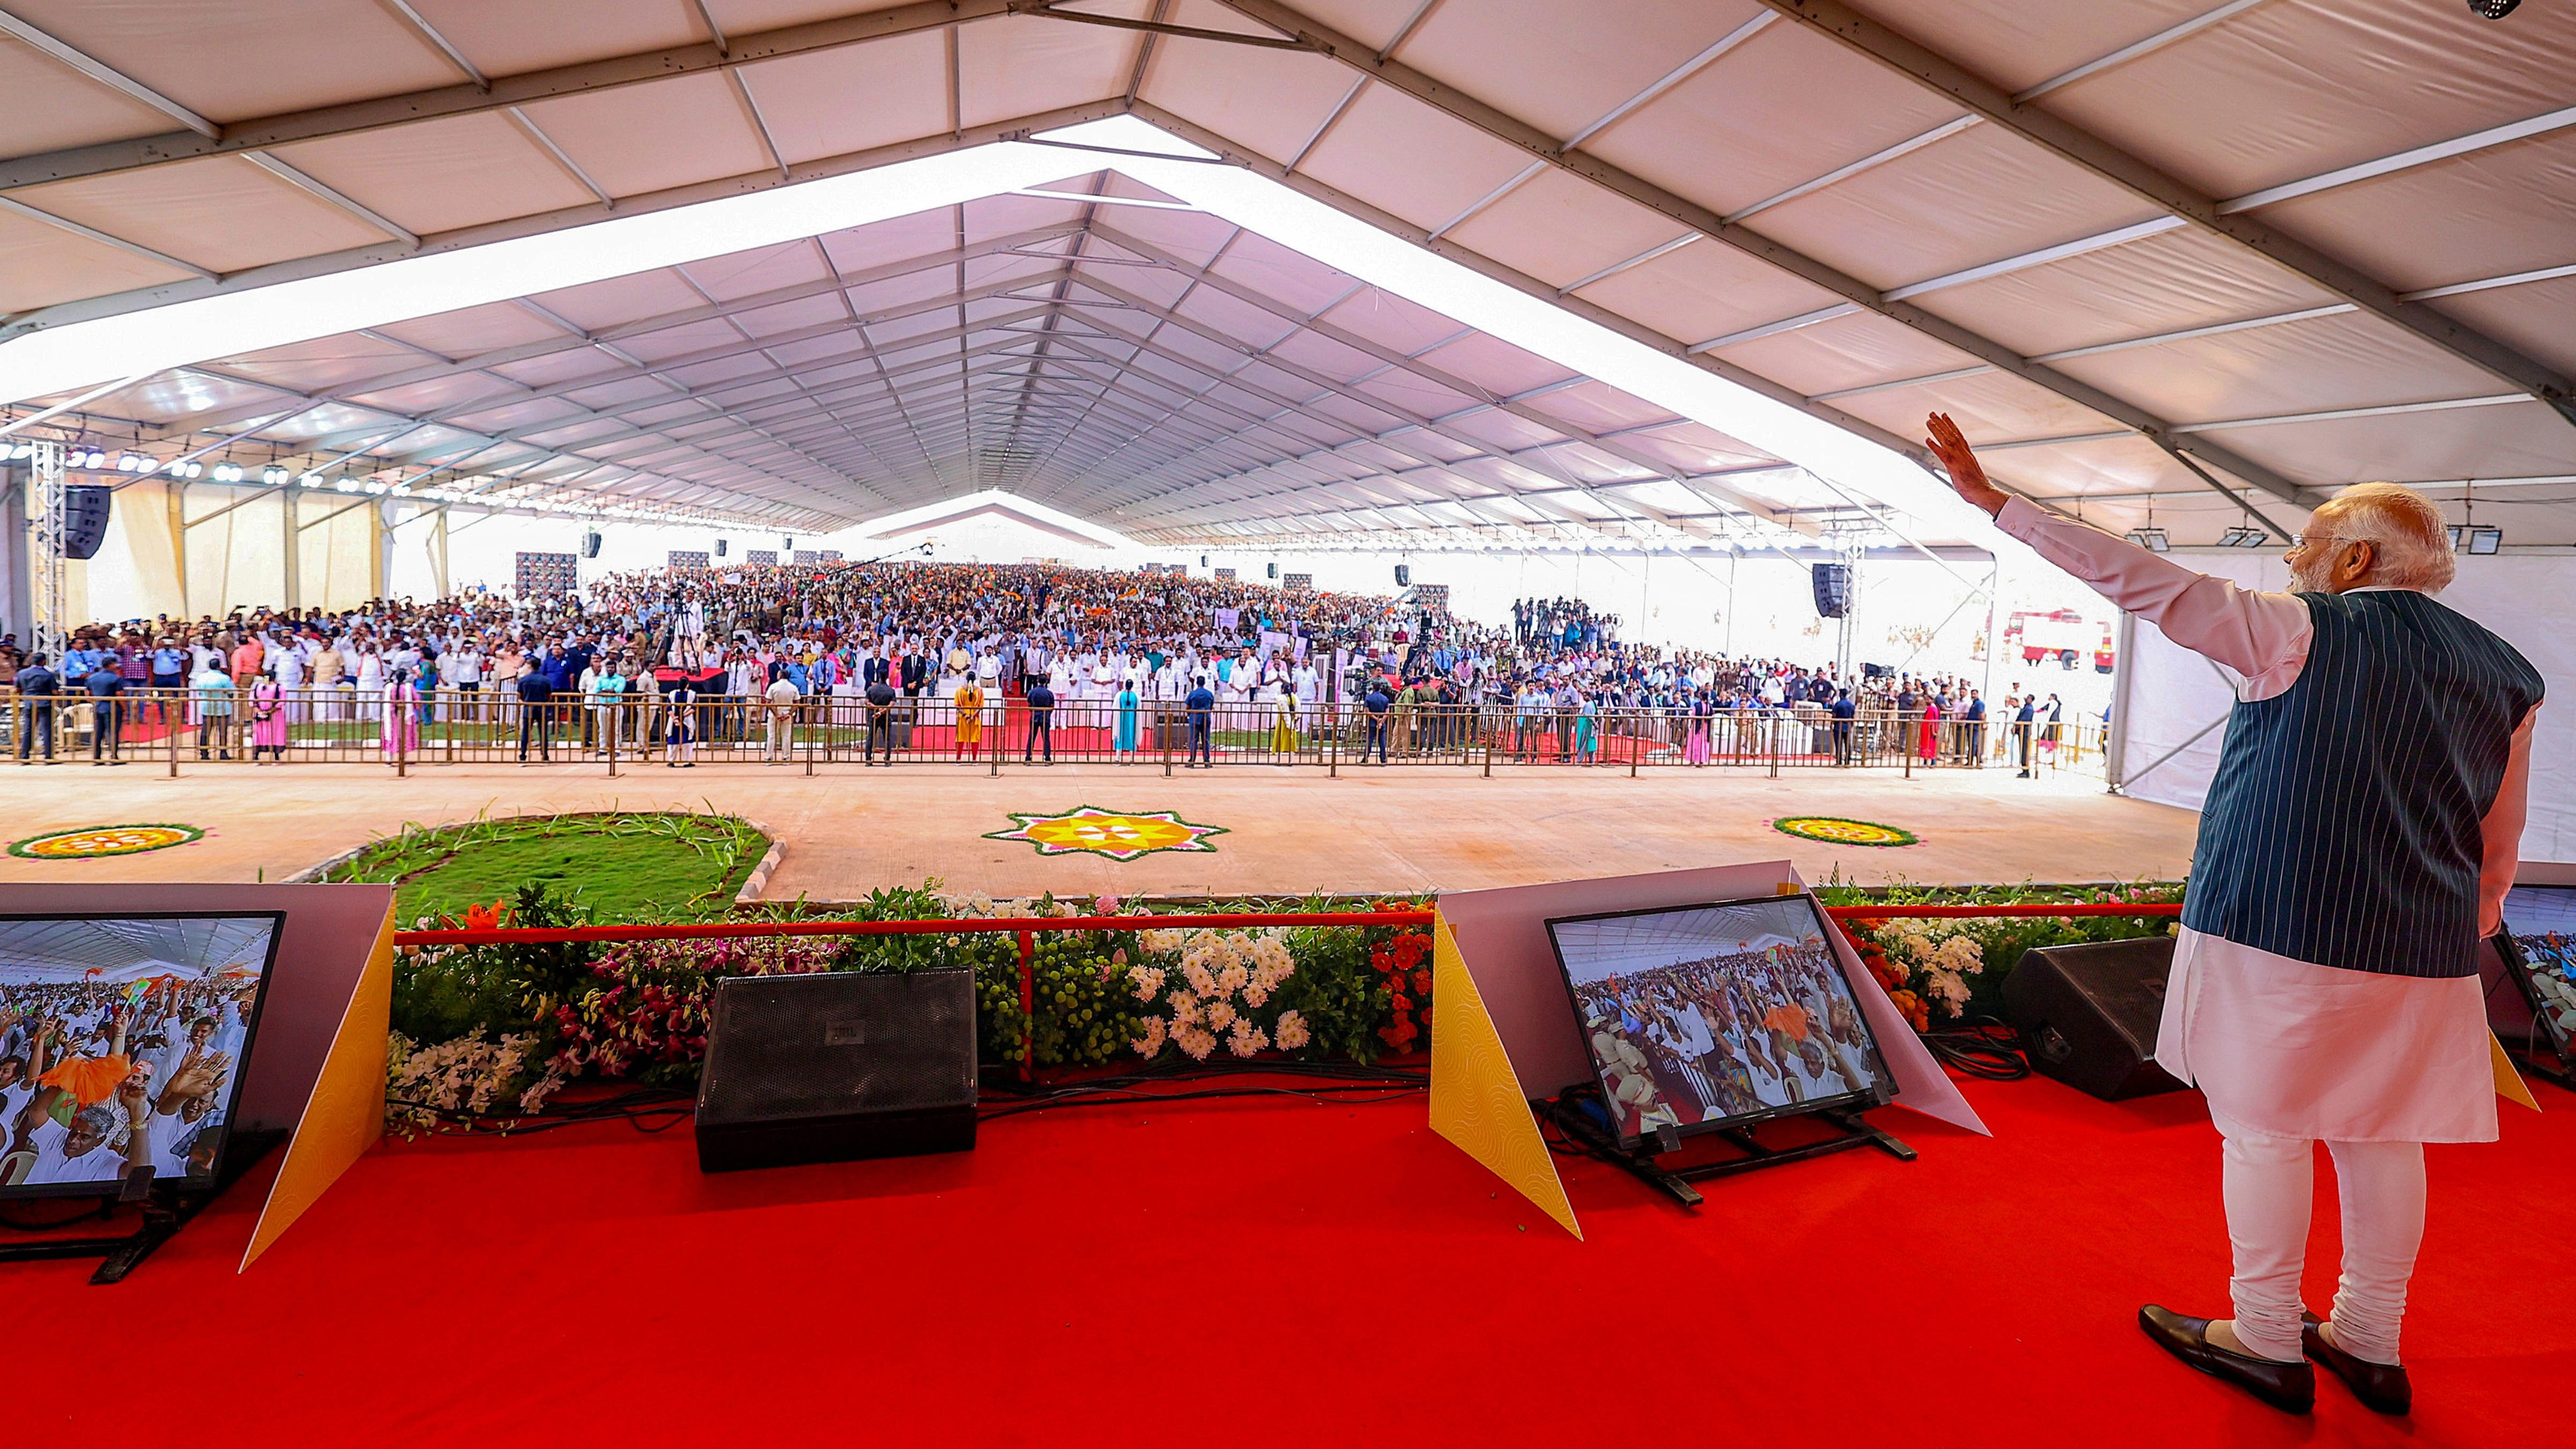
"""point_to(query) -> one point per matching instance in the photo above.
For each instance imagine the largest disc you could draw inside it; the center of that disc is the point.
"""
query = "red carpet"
(1284, 1273)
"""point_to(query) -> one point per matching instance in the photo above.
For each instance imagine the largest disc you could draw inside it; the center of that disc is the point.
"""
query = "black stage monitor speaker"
(837, 1066)
(1404, 576)
(1833, 590)
(2087, 1014)
(85, 520)
(590, 545)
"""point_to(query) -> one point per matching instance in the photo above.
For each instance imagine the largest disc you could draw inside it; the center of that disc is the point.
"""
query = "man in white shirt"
(782, 697)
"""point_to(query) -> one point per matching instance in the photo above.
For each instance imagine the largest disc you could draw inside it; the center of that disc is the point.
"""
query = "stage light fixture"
(2153, 540)
(2483, 539)
(2244, 538)
(2493, 9)
(272, 476)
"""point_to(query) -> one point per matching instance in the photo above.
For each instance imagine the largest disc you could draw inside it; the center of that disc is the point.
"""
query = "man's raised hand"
(1966, 475)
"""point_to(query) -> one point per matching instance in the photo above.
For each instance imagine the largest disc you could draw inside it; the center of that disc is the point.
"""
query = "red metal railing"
(1027, 927)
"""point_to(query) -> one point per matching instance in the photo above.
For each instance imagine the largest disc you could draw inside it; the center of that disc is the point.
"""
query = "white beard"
(2316, 578)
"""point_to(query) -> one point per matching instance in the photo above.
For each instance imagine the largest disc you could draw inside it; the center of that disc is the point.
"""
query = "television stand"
(1645, 1164)
(165, 1209)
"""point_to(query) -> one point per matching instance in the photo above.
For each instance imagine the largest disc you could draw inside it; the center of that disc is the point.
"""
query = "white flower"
(1147, 980)
(1220, 1014)
(1185, 1009)
(1195, 1042)
(1291, 1031)
(1246, 1039)
(1152, 1041)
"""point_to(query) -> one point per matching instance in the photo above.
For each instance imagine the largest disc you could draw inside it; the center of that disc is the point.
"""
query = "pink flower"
(1246, 1039)
(1291, 1031)
(1195, 1042)
(1105, 905)
(1220, 1014)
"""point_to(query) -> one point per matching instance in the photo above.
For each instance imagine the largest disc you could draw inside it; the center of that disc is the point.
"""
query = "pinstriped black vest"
(2342, 827)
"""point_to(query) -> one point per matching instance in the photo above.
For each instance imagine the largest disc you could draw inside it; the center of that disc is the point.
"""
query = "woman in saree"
(268, 715)
(401, 716)
(1124, 742)
(1283, 727)
(970, 720)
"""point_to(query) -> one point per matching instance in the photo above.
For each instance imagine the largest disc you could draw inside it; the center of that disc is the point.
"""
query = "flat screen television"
(122, 1045)
(1703, 1018)
(2539, 952)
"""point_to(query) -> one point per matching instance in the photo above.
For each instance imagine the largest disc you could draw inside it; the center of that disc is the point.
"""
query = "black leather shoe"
(2289, 1387)
(2381, 1387)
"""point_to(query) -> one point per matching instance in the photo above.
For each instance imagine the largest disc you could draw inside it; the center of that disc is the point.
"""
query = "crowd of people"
(98, 1079)
(737, 650)
(1727, 1036)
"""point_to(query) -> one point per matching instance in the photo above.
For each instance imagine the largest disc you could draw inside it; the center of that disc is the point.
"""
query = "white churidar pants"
(2269, 1183)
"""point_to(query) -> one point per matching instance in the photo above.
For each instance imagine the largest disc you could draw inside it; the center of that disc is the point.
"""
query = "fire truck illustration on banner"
(2061, 635)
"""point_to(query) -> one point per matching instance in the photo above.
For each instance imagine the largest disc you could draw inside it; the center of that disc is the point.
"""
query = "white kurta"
(2286, 1047)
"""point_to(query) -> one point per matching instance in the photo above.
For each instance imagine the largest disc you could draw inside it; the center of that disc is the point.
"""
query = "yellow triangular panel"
(1476, 1098)
(2509, 1083)
(346, 1113)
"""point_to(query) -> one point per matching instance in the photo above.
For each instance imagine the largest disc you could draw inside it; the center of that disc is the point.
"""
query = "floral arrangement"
(643, 1013)
(1920, 963)
(1226, 981)
(466, 1075)
(1099, 998)
(1408, 986)
(1960, 964)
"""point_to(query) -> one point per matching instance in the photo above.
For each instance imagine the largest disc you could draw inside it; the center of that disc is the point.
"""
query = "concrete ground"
(847, 831)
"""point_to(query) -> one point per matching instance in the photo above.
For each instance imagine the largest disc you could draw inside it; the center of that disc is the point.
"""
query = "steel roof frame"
(1498, 124)
(2214, 216)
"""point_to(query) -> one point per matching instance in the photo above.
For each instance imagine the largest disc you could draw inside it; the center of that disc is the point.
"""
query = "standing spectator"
(213, 691)
(1201, 705)
(880, 707)
(779, 742)
(1379, 707)
(106, 712)
(268, 718)
(970, 719)
(1041, 721)
(37, 687)
(536, 714)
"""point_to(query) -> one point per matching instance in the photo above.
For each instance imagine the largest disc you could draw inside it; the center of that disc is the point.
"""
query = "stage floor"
(1279, 1272)
(847, 831)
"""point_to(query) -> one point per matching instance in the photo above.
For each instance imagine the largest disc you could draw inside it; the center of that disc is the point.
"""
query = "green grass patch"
(618, 867)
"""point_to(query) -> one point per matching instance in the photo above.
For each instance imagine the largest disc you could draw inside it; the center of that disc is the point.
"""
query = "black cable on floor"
(1985, 1047)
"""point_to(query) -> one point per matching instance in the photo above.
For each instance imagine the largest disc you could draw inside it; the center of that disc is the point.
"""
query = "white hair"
(2412, 541)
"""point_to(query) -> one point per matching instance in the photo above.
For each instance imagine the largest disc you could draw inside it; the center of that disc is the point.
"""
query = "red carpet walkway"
(1283, 1273)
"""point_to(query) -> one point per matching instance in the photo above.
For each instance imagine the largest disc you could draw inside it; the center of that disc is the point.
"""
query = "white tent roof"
(2146, 250)
(55, 951)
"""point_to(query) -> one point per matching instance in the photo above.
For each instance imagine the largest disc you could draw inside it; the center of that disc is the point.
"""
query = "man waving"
(2356, 845)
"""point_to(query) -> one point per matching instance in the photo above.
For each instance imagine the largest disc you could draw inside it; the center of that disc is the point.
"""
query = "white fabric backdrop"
(2528, 600)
